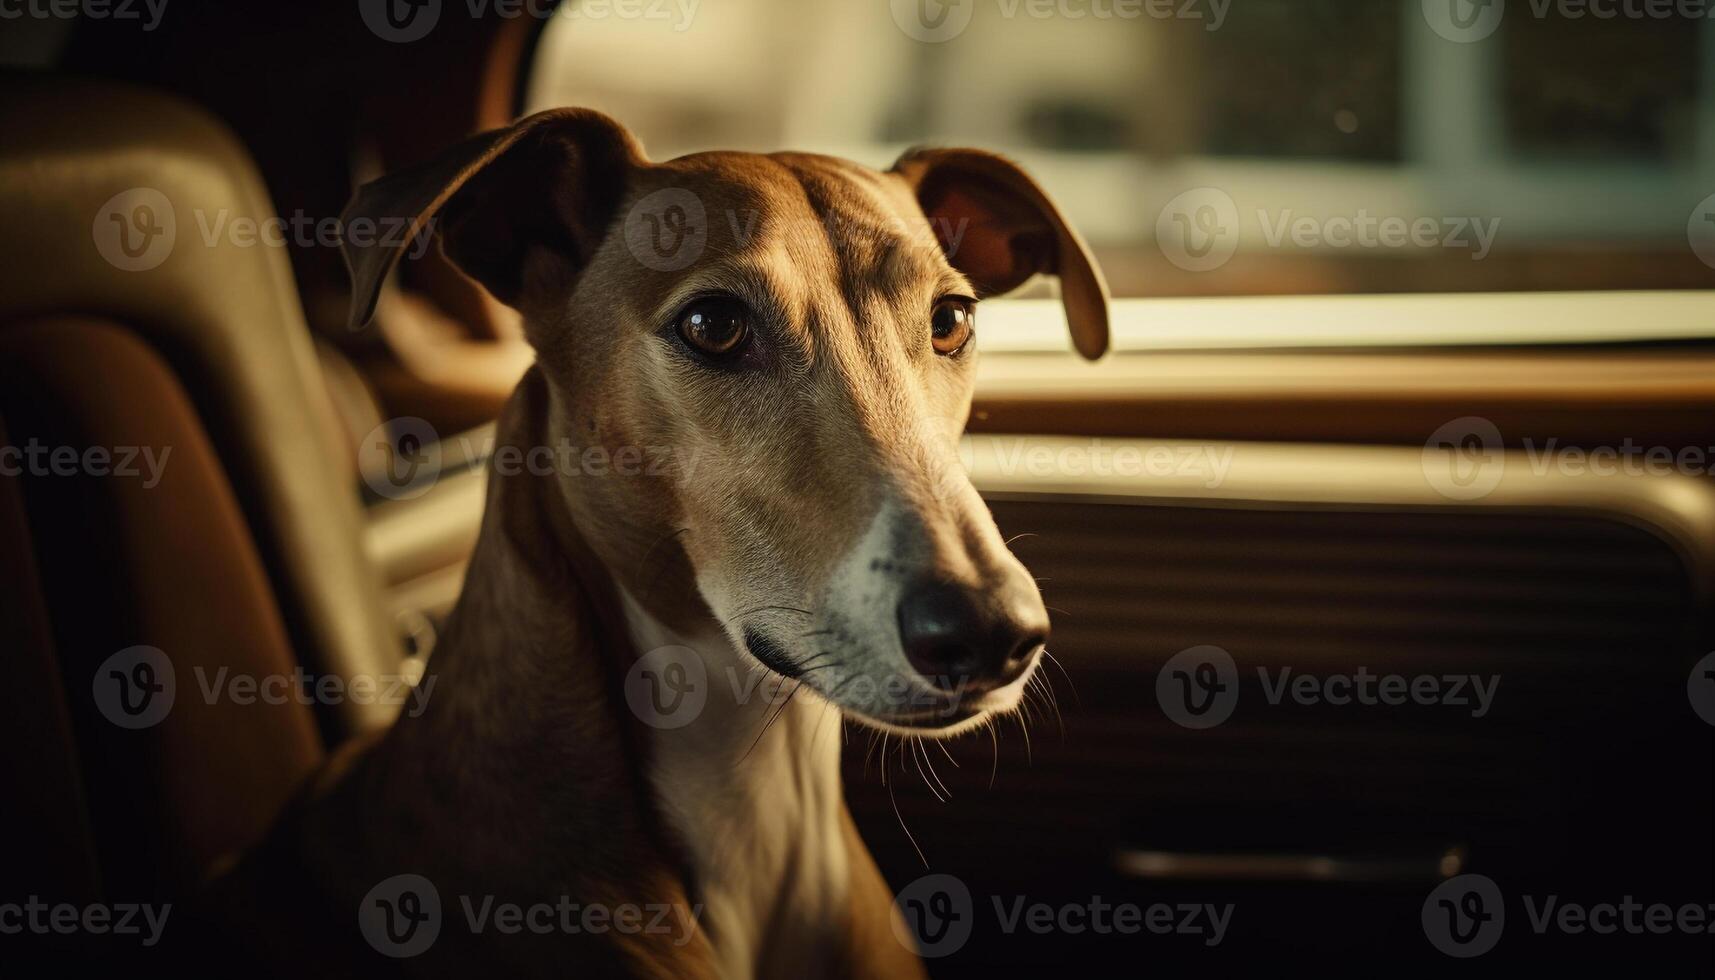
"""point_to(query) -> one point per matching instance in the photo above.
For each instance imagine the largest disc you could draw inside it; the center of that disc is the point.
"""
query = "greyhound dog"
(799, 330)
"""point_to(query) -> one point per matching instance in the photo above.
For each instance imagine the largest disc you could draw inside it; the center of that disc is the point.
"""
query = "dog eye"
(717, 326)
(951, 324)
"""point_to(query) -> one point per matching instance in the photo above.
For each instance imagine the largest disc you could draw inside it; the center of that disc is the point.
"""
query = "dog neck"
(751, 786)
(545, 778)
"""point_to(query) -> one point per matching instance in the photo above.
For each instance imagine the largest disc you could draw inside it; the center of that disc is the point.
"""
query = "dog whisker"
(831, 695)
(726, 624)
(942, 745)
(1041, 681)
(1063, 673)
(994, 740)
(1024, 726)
(918, 762)
(897, 815)
(923, 750)
(771, 719)
(820, 717)
(816, 657)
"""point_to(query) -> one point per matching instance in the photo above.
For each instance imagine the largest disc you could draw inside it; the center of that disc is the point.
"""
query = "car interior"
(1400, 462)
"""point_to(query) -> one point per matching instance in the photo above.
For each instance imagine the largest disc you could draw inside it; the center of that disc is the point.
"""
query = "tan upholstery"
(160, 557)
(226, 316)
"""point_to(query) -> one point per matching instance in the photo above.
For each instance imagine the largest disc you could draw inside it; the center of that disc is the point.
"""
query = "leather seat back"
(138, 544)
(136, 318)
(92, 170)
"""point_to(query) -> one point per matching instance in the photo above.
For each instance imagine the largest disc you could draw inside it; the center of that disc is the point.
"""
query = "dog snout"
(959, 637)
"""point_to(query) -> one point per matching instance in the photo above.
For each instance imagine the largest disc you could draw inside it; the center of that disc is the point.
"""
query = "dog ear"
(999, 228)
(550, 181)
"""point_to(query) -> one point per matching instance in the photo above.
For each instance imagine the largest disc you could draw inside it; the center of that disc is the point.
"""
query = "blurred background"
(1585, 142)
(1407, 266)
(1588, 140)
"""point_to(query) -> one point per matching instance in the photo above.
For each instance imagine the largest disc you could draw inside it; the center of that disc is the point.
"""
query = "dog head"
(771, 356)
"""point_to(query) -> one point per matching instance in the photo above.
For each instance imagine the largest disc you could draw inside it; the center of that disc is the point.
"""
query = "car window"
(1208, 147)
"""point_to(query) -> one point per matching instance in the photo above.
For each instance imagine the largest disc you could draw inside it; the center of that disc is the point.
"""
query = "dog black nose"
(960, 638)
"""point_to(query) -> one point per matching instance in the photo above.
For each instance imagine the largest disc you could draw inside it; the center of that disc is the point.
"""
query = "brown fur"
(525, 778)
